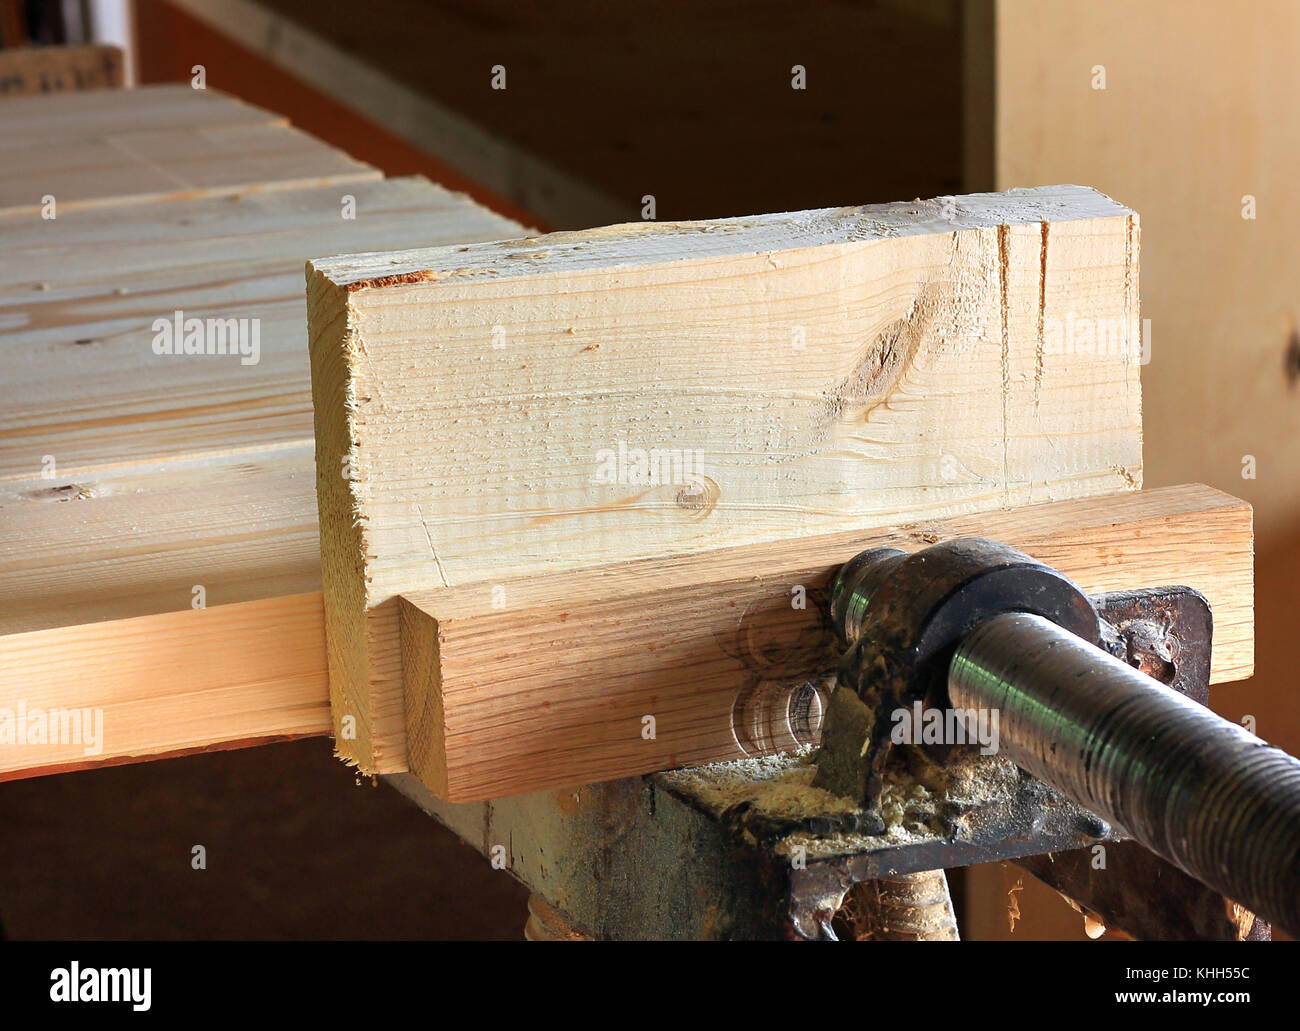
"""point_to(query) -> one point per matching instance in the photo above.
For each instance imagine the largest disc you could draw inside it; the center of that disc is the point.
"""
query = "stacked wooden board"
(130, 480)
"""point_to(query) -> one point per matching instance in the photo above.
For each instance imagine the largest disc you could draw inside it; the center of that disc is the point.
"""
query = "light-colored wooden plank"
(207, 231)
(157, 685)
(171, 473)
(86, 386)
(136, 540)
(170, 476)
(133, 167)
(39, 121)
(819, 371)
(545, 682)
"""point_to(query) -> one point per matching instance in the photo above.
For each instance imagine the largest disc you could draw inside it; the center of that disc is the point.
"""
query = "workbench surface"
(137, 487)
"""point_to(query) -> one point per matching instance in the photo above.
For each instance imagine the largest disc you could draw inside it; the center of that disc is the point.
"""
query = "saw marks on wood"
(653, 389)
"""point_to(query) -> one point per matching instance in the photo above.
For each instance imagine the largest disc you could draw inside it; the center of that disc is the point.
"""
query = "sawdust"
(906, 805)
(775, 786)
(1013, 903)
(909, 808)
(969, 780)
(915, 795)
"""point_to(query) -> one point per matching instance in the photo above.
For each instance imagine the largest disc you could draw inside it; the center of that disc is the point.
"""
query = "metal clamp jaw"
(902, 618)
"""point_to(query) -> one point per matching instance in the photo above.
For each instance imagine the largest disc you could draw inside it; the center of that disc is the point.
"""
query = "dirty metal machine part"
(708, 852)
(901, 617)
(1165, 633)
(1202, 792)
(733, 850)
(1142, 896)
(974, 625)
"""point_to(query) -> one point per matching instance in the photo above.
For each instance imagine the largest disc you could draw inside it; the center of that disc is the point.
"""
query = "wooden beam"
(160, 685)
(546, 681)
(39, 121)
(801, 374)
(131, 167)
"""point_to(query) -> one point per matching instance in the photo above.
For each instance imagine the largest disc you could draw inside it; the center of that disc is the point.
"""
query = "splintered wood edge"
(351, 618)
(342, 560)
(643, 243)
(1192, 535)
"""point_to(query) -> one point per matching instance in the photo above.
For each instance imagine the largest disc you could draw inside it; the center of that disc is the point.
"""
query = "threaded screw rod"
(1194, 788)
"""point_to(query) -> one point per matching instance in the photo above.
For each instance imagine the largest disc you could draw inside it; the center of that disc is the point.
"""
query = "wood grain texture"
(176, 165)
(544, 682)
(38, 121)
(171, 471)
(87, 386)
(136, 540)
(821, 370)
(158, 487)
(168, 473)
(167, 683)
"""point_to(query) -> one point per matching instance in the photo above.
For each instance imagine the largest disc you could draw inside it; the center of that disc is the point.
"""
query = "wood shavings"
(777, 786)
(1013, 904)
(1241, 918)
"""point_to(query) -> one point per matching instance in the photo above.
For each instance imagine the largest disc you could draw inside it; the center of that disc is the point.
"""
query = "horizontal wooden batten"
(178, 682)
(547, 681)
(38, 121)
